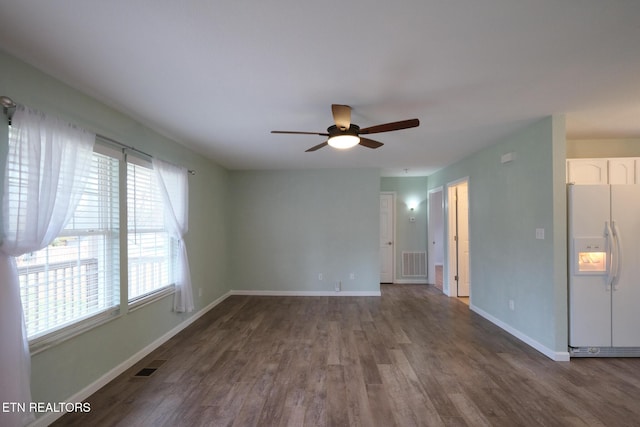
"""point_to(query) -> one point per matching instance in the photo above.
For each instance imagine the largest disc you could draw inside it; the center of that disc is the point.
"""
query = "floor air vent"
(145, 372)
(150, 369)
(414, 264)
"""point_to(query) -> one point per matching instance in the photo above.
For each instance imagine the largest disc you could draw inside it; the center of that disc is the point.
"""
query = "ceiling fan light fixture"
(343, 139)
(343, 142)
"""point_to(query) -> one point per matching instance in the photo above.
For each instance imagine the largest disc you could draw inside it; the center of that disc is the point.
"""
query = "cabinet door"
(587, 171)
(622, 171)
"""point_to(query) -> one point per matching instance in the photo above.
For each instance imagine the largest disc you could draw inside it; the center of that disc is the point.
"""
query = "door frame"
(393, 233)
(431, 256)
(451, 261)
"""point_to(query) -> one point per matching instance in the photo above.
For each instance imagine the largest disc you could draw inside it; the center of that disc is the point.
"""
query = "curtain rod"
(8, 107)
(128, 147)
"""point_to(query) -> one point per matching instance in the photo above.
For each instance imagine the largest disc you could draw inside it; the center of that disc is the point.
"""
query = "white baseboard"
(558, 356)
(83, 394)
(307, 293)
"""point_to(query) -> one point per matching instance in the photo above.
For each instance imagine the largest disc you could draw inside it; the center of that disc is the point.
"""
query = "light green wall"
(594, 148)
(290, 226)
(507, 203)
(67, 368)
(410, 236)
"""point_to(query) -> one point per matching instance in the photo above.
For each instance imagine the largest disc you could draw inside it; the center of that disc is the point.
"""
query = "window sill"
(144, 300)
(51, 339)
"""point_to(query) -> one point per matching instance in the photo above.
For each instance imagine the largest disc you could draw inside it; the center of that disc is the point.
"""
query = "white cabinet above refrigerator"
(619, 170)
(587, 171)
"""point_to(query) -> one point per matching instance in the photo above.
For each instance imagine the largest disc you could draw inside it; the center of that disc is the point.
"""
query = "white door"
(463, 240)
(451, 281)
(625, 217)
(387, 201)
(458, 237)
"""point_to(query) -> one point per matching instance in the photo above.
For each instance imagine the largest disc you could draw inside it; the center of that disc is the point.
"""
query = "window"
(151, 250)
(77, 276)
(74, 283)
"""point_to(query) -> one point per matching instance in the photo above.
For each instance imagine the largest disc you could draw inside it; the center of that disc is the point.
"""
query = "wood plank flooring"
(412, 357)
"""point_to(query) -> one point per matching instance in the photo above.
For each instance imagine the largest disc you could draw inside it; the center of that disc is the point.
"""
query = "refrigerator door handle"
(618, 256)
(612, 256)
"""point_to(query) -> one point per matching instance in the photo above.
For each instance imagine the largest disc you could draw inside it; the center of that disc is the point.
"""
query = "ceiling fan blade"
(370, 143)
(316, 147)
(294, 132)
(341, 116)
(387, 127)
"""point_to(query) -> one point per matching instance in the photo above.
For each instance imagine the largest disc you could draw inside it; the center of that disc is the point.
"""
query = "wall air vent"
(414, 264)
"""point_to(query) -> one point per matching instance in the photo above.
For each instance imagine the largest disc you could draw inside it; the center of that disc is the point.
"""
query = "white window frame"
(165, 289)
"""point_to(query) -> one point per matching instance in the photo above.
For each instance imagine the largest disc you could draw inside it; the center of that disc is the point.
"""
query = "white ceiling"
(218, 76)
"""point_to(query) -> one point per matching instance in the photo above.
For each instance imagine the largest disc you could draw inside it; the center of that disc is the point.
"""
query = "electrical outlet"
(200, 292)
(540, 233)
(512, 305)
(320, 276)
(352, 276)
(338, 286)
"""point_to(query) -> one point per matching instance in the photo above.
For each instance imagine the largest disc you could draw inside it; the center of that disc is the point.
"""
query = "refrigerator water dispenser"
(590, 255)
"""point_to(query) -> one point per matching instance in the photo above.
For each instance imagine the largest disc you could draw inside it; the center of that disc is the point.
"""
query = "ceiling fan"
(345, 134)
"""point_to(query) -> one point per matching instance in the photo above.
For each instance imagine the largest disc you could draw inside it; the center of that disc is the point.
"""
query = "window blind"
(151, 250)
(77, 276)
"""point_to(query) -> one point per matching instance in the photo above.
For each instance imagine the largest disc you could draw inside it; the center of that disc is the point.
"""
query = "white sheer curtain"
(45, 173)
(174, 186)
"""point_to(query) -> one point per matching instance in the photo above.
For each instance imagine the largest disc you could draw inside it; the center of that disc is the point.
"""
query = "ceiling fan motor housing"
(334, 130)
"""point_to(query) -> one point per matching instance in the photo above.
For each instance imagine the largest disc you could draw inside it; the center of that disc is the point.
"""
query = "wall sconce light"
(412, 204)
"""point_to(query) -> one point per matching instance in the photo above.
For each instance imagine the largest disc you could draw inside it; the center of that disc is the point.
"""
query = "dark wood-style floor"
(411, 357)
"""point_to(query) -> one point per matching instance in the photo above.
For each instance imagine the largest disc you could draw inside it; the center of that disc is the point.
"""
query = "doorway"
(459, 283)
(435, 231)
(387, 235)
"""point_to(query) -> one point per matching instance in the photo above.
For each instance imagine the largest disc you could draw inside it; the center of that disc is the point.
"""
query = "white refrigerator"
(604, 270)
